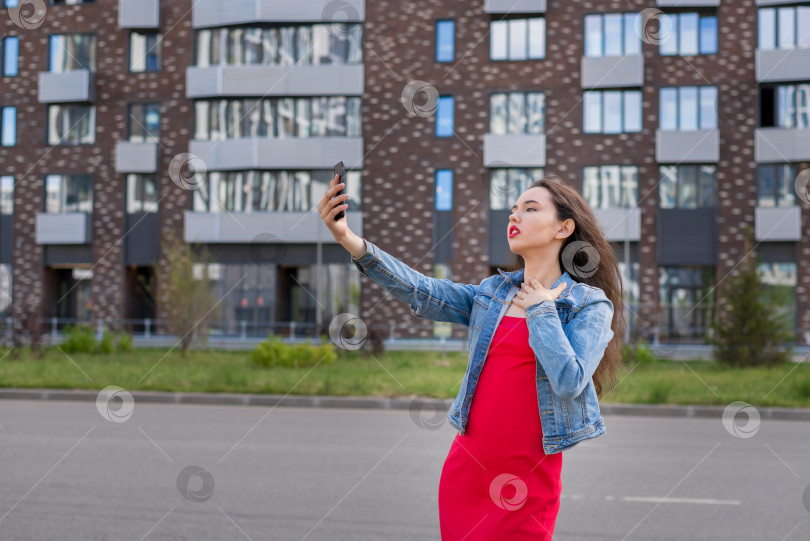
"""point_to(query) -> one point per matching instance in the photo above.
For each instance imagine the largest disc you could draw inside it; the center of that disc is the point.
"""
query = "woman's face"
(536, 217)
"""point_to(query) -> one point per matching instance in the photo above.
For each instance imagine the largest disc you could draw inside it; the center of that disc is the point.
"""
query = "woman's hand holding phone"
(329, 207)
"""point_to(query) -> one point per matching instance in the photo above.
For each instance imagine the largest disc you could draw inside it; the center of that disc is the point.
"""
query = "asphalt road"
(234, 472)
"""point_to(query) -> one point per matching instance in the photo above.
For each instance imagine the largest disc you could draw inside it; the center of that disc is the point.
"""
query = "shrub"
(107, 343)
(643, 353)
(125, 343)
(79, 339)
(275, 353)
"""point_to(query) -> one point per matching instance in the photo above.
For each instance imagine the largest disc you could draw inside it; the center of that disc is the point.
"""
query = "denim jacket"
(569, 337)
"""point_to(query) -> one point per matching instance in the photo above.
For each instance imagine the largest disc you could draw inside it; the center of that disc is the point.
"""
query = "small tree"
(753, 327)
(186, 292)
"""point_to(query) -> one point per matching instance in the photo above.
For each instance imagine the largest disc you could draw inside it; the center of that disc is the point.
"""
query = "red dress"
(497, 482)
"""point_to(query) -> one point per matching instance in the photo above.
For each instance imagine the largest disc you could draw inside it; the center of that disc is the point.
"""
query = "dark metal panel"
(141, 241)
(67, 254)
(778, 252)
(443, 236)
(279, 253)
(6, 238)
(497, 242)
(687, 236)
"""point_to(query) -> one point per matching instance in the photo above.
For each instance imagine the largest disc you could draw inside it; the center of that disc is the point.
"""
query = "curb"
(365, 402)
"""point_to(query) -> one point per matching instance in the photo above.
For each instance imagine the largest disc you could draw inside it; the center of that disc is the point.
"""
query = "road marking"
(681, 500)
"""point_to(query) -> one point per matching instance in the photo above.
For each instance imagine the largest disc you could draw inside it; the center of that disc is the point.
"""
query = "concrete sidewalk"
(415, 403)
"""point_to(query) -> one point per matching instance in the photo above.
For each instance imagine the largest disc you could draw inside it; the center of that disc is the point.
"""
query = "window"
(144, 123)
(11, 51)
(8, 135)
(785, 106)
(507, 183)
(71, 124)
(444, 117)
(610, 186)
(6, 195)
(686, 299)
(445, 41)
(691, 34)
(68, 193)
(517, 39)
(142, 193)
(72, 52)
(517, 112)
(779, 284)
(336, 116)
(775, 185)
(444, 189)
(268, 191)
(70, 2)
(144, 52)
(784, 27)
(612, 34)
(688, 108)
(612, 111)
(686, 186)
(304, 44)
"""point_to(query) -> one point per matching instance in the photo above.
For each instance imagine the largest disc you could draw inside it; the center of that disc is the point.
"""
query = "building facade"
(126, 122)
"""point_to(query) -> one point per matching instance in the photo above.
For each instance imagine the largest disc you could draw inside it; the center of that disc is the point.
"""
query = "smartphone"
(338, 170)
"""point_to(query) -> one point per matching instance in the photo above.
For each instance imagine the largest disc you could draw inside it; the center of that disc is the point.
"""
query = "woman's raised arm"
(429, 298)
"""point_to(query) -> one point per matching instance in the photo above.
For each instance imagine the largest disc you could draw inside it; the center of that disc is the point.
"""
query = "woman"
(544, 348)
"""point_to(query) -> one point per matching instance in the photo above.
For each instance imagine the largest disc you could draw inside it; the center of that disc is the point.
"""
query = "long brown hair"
(607, 276)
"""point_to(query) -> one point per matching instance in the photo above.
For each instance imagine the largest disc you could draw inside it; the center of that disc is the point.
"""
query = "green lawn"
(394, 374)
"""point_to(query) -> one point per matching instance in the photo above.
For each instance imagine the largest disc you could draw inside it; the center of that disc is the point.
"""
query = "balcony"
(514, 150)
(261, 80)
(515, 6)
(782, 145)
(612, 71)
(68, 86)
(135, 157)
(64, 228)
(288, 153)
(782, 64)
(777, 223)
(620, 224)
(206, 13)
(138, 13)
(245, 227)
(697, 146)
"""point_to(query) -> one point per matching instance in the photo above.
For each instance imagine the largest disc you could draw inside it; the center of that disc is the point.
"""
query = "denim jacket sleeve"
(429, 298)
(570, 356)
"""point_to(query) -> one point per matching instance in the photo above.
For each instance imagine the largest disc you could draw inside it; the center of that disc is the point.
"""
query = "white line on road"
(681, 500)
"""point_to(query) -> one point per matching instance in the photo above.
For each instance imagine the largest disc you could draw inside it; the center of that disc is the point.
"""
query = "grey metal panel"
(443, 224)
(139, 13)
(243, 227)
(6, 238)
(79, 254)
(497, 241)
(687, 236)
(612, 71)
(135, 157)
(289, 153)
(687, 3)
(142, 239)
(515, 6)
(295, 80)
(620, 223)
(64, 228)
(777, 223)
(699, 146)
(782, 64)
(514, 150)
(68, 86)
(206, 13)
(781, 144)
